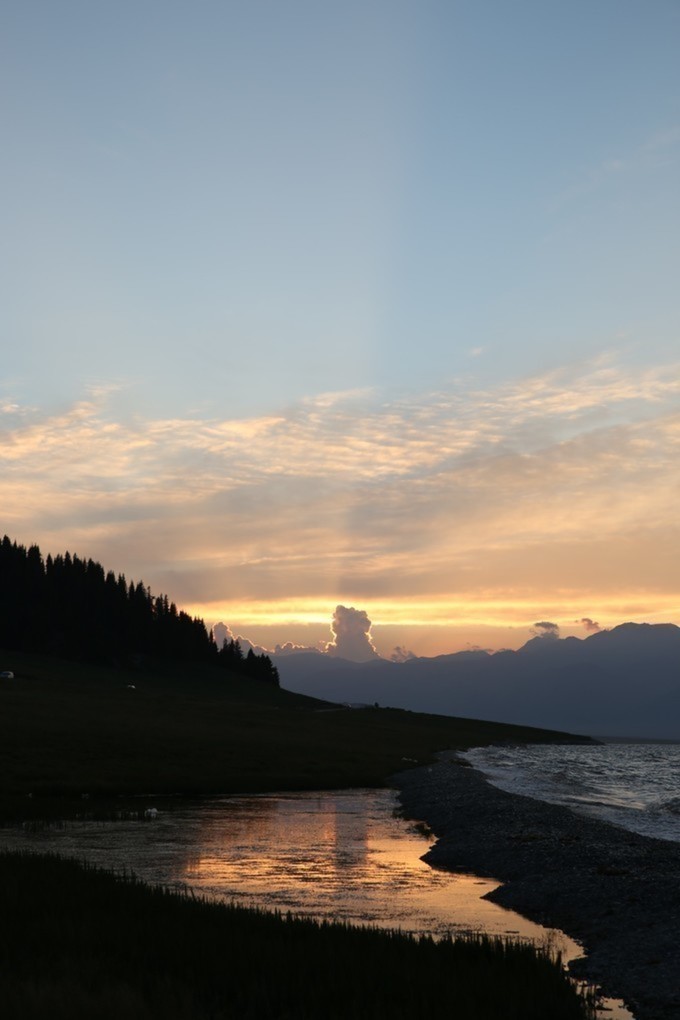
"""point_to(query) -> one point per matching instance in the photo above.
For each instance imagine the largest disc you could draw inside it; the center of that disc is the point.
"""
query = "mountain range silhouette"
(620, 682)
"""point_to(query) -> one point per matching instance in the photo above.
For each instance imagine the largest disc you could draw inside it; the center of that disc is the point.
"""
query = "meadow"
(70, 731)
(76, 942)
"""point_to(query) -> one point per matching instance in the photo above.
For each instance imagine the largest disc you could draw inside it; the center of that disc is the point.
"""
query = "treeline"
(71, 607)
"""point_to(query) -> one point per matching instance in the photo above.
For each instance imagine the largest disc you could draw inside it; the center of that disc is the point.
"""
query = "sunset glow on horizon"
(372, 306)
(451, 518)
(435, 628)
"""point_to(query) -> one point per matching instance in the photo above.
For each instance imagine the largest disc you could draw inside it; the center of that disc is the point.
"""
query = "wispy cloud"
(562, 481)
(650, 154)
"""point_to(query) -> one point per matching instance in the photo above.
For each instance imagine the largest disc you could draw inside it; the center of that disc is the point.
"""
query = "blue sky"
(350, 226)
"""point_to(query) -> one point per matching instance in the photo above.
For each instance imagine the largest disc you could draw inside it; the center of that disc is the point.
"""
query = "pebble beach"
(616, 892)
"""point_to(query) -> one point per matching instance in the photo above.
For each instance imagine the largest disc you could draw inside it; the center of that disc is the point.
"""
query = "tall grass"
(77, 942)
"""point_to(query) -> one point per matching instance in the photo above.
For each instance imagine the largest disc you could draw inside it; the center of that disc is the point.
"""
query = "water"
(633, 785)
(341, 855)
(338, 856)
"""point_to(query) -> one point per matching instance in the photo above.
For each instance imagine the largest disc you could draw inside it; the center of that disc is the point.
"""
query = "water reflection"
(340, 856)
(336, 856)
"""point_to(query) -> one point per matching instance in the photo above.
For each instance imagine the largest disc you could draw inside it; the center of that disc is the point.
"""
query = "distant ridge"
(621, 682)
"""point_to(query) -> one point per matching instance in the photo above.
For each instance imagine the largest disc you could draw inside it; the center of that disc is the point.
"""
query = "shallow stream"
(343, 855)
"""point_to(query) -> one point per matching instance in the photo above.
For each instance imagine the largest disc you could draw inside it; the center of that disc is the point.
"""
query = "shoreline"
(617, 893)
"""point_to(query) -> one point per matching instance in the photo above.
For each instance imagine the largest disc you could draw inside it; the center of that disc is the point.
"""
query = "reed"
(77, 942)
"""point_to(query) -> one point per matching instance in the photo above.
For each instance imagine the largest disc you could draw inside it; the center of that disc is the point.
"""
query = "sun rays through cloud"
(553, 494)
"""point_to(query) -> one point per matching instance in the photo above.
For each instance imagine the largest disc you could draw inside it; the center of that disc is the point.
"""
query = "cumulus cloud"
(545, 629)
(351, 635)
(351, 639)
(590, 625)
(401, 654)
(222, 633)
(289, 648)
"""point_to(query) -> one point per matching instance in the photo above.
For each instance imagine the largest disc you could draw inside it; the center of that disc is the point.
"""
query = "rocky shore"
(616, 893)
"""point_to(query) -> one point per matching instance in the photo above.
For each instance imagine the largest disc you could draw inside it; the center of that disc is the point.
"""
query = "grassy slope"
(80, 945)
(69, 729)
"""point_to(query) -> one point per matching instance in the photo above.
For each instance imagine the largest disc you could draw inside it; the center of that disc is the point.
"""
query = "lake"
(632, 784)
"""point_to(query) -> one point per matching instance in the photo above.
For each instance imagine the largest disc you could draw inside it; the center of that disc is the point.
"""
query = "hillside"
(68, 729)
(117, 692)
(71, 607)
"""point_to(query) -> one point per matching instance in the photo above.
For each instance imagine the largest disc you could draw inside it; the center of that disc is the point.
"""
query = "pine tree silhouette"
(73, 608)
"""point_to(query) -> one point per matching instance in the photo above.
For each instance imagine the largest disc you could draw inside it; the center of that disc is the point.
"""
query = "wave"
(671, 806)
(631, 785)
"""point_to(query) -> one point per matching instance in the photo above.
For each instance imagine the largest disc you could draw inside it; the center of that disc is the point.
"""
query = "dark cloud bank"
(622, 682)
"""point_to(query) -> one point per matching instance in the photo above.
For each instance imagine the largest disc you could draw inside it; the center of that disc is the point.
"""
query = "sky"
(372, 304)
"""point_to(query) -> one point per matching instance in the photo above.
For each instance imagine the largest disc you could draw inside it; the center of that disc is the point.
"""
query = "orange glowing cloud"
(550, 498)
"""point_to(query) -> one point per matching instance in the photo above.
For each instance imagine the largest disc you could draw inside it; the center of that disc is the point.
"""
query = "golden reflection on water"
(336, 856)
(343, 856)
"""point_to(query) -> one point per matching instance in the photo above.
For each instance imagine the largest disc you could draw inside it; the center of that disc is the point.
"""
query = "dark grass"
(69, 729)
(77, 942)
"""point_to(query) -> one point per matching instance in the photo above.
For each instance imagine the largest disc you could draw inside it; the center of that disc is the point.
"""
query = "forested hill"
(67, 606)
